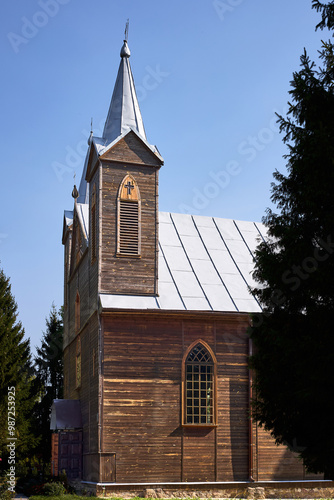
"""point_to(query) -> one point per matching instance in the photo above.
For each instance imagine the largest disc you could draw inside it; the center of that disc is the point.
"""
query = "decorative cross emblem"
(129, 186)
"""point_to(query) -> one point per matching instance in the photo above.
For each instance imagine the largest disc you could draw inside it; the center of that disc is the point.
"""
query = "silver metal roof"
(83, 216)
(205, 264)
(123, 116)
(84, 186)
(68, 218)
(124, 109)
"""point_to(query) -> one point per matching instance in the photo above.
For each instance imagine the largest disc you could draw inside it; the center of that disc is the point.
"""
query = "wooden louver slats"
(129, 227)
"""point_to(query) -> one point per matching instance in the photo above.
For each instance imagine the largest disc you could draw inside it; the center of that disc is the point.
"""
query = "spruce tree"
(16, 377)
(294, 340)
(49, 378)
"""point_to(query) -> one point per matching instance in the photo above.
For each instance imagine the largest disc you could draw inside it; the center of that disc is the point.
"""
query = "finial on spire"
(125, 51)
(90, 138)
(126, 32)
(75, 192)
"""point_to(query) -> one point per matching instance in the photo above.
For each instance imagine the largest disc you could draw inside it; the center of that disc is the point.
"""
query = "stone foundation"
(245, 490)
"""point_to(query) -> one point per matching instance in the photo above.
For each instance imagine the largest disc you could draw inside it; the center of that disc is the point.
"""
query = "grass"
(67, 496)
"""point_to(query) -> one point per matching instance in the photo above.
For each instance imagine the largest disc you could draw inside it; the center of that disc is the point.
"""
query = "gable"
(80, 234)
(67, 224)
(92, 162)
(130, 148)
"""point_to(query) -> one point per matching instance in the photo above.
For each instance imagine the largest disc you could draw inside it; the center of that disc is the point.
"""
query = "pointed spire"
(124, 111)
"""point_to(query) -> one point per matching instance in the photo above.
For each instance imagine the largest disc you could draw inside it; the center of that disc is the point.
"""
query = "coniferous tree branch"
(295, 271)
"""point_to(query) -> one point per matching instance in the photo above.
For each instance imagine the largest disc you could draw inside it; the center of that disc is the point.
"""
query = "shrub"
(54, 489)
(6, 495)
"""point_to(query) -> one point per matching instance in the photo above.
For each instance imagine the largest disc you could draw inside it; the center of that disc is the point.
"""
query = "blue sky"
(210, 76)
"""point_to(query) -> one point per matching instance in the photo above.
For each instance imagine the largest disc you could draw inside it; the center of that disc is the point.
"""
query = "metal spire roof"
(124, 112)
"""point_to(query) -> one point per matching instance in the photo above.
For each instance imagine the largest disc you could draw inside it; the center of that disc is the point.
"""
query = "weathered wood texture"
(132, 150)
(142, 369)
(82, 279)
(233, 399)
(93, 163)
(141, 409)
(70, 454)
(124, 274)
(91, 467)
(88, 392)
(54, 454)
(276, 462)
(131, 400)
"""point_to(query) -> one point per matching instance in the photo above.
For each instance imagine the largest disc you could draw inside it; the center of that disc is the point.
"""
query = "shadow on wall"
(291, 467)
(239, 429)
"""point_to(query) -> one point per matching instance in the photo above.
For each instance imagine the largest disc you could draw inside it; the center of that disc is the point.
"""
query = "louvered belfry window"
(128, 231)
(199, 386)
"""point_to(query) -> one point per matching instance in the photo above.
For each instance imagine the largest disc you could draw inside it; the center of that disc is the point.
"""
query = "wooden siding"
(122, 274)
(131, 399)
(83, 280)
(67, 262)
(88, 392)
(141, 410)
(93, 163)
(233, 400)
(142, 403)
(132, 150)
(54, 453)
(276, 463)
(94, 263)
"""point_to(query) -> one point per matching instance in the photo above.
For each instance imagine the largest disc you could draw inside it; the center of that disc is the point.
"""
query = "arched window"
(128, 218)
(77, 313)
(199, 385)
(78, 364)
(93, 225)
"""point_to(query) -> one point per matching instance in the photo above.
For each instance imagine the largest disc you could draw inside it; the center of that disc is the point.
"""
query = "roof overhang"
(65, 414)
(67, 224)
(102, 147)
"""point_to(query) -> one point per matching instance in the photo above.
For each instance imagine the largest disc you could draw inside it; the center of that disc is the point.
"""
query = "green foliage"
(49, 378)
(54, 489)
(59, 497)
(15, 373)
(5, 494)
(49, 359)
(294, 340)
(74, 497)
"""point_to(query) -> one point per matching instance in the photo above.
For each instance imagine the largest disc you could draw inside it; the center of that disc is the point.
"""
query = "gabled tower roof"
(124, 112)
(123, 117)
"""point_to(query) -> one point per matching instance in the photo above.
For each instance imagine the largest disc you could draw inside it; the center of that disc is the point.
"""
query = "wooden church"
(156, 310)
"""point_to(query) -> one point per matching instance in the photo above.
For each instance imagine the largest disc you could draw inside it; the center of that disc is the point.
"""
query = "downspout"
(100, 324)
(99, 431)
(250, 424)
(156, 255)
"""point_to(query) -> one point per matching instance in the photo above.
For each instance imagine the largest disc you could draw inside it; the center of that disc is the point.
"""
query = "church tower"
(111, 250)
(122, 172)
